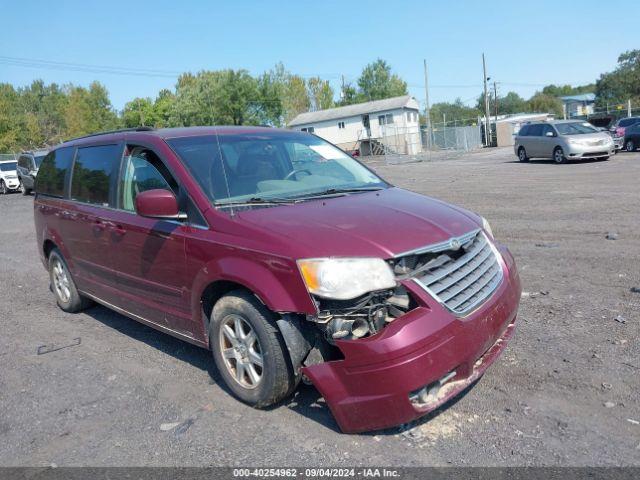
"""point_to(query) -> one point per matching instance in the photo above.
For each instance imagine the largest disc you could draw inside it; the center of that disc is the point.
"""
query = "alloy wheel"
(630, 146)
(522, 155)
(558, 155)
(241, 352)
(61, 282)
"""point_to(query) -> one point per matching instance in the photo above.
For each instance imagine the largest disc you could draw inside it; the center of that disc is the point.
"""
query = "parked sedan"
(562, 140)
(632, 138)
(8, 177)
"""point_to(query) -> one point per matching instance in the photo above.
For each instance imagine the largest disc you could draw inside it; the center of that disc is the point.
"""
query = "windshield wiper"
(330, 192)
(256, 201)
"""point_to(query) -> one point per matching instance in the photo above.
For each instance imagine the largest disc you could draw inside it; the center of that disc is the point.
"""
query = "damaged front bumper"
(376, 384)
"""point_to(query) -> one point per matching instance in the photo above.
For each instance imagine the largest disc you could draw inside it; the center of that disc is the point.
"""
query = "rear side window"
(625, 122)
(50, 179)
(535, 130)
(92, 173)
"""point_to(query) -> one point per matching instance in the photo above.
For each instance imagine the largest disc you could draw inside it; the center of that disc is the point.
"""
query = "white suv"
(8, 176)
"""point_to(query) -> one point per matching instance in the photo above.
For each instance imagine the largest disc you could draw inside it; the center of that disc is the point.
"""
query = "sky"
(527, 44)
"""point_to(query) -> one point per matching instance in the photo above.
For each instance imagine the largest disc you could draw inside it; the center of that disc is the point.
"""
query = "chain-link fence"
(417, 144)
(452, 137)
(8, 156)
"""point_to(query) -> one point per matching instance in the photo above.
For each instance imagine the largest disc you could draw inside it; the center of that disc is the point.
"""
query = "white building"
(579, 105)
(391, 125)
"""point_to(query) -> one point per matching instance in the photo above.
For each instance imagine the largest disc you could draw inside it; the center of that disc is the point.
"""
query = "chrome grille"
(465, 274)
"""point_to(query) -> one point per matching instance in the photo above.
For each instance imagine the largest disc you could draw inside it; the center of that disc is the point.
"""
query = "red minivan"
(284, 256)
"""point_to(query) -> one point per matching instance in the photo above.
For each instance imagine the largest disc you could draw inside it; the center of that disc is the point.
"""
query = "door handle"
(98, 226)
(119, 230)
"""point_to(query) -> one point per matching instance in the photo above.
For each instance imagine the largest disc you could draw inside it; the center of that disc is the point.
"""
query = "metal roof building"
(379, 126)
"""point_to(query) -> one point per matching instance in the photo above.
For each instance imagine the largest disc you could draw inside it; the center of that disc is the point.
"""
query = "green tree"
(271, 88)
(162, 107)
(296, 98)
(139, 112)
(453, 112)
(11, 119)
(542, 103)
(349, 95)
(320, 93)
(623, 83)
(88, 110)
(565, 90)
(376, 82)
(511, 103)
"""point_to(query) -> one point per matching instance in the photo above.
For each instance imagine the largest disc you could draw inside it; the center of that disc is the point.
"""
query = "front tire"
(24, 190)
(630, 146)
(63, 286)
(249, 351)
(522, 155)
(558, 156)
(3, 188)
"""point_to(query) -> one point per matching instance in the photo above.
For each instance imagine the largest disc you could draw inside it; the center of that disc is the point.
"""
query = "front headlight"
(486, 227)
(345, 278)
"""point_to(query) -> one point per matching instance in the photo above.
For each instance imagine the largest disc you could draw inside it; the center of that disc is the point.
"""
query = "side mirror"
(550, 134)
(158, 203)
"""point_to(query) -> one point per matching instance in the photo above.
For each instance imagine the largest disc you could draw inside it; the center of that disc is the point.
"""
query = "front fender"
(275, 281)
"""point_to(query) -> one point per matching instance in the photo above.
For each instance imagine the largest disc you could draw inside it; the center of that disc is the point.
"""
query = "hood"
(379, 224)
(589, 137)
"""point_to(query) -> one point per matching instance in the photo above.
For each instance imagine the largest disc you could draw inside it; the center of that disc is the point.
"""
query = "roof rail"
(121, 130)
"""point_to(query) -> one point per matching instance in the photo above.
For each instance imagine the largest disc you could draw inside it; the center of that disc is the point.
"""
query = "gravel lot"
(566, 391)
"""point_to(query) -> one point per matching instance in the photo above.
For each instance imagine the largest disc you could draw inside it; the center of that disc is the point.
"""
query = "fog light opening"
(429, 393)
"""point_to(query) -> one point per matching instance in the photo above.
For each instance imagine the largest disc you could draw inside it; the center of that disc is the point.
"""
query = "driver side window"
(142, 171)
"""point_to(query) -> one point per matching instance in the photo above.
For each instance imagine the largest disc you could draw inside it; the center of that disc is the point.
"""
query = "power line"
(79, 67)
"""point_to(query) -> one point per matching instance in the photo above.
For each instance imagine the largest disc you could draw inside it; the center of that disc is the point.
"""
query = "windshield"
(270, 166)
(8, 166)
(38, 160)
(575, 128)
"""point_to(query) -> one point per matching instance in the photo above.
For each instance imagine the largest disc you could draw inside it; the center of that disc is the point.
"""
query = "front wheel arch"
(555, 152)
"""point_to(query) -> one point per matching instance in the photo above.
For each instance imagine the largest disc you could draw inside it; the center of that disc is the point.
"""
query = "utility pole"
(342, 94)
(427, 108)
(629, 108)
(495, 97)
(487, 126)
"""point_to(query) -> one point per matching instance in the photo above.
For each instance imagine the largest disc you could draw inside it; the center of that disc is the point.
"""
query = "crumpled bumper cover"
(370, 388)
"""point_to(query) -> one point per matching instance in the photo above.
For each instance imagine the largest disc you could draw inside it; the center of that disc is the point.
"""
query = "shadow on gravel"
(306, 400)
(179, 349)
(551, 162)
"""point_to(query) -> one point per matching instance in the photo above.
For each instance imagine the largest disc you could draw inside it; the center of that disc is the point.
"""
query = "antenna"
(224, 170)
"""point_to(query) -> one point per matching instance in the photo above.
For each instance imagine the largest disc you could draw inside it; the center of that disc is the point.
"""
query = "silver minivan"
(562, 140)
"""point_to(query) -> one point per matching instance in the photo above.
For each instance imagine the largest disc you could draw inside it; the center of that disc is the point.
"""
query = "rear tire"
(249, 350)
(558, 156)
(630, 146)
(63, 286)
(522, 155)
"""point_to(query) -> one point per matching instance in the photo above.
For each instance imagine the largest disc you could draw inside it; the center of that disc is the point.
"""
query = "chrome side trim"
(449, 244)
